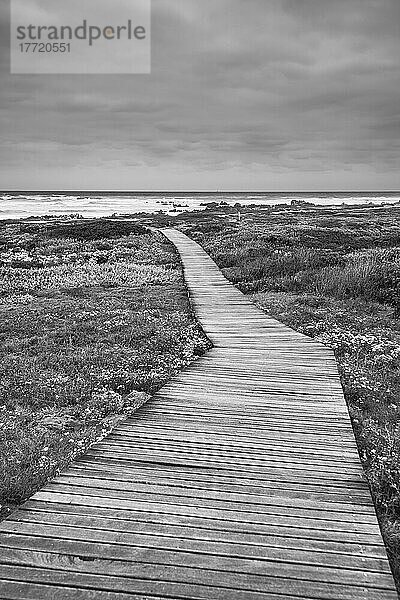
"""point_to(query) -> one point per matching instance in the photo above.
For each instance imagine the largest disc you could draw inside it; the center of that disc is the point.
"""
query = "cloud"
(263, 88)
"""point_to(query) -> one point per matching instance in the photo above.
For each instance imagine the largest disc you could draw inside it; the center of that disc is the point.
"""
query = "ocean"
(17, 205)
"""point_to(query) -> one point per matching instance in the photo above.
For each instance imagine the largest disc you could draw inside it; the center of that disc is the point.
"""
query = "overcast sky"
(243, 94)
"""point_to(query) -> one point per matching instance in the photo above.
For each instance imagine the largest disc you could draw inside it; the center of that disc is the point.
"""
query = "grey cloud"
(288, 85)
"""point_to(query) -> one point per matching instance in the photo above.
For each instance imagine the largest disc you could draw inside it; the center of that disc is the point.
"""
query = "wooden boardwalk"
(240, 481)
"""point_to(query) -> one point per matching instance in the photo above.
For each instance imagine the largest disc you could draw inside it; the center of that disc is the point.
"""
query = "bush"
(94, 230)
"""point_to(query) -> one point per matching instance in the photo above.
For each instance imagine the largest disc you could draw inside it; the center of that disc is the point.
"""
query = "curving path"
(240, 480)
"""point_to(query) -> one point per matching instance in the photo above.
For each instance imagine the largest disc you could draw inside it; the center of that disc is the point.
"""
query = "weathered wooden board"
(240, 480)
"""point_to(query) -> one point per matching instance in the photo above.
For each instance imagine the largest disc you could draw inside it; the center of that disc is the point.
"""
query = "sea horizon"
(100, 203)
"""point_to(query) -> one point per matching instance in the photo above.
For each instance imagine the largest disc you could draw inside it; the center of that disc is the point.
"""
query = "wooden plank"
(208, 450)
(287, 551)
(280, 505)
(103, 471)
(273, 473)
(282, 538)
(271, 525)
(270, 567)
(270, 446)
(196, 528)
(194, 459)
(291, 589)
(243, 588)
(188, 490)
(324, 520)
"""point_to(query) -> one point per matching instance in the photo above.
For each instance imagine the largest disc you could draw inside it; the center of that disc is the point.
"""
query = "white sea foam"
(20, 205)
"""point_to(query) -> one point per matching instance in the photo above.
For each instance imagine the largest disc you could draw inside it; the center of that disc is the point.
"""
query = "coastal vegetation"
(94, 318)
(334, 275)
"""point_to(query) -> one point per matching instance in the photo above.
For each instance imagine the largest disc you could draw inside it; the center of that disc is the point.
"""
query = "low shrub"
(93, 230)
(82, 343)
